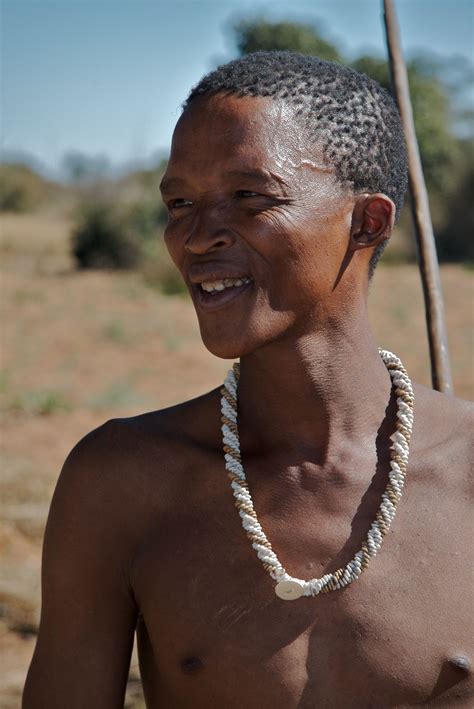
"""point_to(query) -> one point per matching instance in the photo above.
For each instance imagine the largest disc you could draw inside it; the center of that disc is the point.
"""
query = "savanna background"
(95, 321)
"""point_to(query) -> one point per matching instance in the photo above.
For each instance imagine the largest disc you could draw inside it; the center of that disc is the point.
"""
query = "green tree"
(261, 35)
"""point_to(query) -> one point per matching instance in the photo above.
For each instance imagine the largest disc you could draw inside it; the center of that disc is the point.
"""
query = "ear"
(373, 218)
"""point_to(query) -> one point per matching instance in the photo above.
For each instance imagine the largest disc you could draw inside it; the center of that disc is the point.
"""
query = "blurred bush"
(119, 225)
(455, 238)
(102, 239)
(21, 188)
(115, 220)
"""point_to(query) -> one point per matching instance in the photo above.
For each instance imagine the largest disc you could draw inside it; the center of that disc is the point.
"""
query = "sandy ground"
(79, 348)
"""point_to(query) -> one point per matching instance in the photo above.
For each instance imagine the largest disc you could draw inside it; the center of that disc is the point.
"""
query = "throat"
(312, 398)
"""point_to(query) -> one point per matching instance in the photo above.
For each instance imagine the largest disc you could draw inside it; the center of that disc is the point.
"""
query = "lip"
(199, 273)
(211, 302)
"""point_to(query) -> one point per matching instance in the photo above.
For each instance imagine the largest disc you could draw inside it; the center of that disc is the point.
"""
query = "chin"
(229, 340)
(236, 341)
(232, 333)
(231, 348)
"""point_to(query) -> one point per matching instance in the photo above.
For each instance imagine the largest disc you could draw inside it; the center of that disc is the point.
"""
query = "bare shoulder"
(171, 434)
(446, 417)
(120, 459)
(443, 436)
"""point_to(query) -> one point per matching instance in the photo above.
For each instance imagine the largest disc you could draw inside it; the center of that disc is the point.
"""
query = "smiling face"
(258, 225)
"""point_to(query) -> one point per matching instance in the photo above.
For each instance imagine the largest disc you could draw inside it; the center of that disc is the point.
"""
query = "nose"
(208, 233)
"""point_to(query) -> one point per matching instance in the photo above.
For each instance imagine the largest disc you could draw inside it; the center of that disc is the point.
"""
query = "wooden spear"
(428, 262)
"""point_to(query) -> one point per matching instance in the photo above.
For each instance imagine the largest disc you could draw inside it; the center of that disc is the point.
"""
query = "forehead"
(220, 130)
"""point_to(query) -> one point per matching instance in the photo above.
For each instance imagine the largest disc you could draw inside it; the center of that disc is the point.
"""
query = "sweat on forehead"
(351, 116)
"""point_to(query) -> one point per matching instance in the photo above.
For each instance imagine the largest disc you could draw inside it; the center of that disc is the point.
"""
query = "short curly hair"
(354, 119)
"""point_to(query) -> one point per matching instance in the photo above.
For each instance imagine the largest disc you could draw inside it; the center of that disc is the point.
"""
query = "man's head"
(328, 147)
(350, 115)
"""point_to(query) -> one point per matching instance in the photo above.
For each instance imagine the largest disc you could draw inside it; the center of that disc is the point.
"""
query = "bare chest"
(213, 633)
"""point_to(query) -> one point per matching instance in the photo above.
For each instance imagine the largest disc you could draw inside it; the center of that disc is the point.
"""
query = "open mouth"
(214, 294)
(218, 286)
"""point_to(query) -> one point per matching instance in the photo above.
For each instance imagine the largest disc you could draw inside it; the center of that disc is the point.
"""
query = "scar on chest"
(190, 665)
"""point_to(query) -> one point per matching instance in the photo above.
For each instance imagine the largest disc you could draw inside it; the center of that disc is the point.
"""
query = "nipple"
(460, 662)
(454, 670)
(191, 665)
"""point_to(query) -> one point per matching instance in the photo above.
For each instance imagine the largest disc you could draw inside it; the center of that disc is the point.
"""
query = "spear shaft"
(427, 258)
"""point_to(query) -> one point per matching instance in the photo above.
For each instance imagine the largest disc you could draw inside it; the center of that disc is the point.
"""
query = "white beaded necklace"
(289, 588)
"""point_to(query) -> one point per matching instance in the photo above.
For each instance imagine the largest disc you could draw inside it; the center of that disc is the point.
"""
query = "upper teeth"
(211, 286)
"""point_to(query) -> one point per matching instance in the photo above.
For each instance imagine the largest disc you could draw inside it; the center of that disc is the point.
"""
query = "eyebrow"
(264, 178)
(259, 176)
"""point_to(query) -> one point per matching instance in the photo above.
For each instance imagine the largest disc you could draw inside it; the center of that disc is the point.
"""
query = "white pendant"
(289, 590)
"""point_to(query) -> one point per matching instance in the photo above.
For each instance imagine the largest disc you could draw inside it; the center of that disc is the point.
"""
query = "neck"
(317, 392)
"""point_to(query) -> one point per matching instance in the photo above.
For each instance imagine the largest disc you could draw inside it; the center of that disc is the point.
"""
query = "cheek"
(323, 246)
(174, 245)
(303, 255)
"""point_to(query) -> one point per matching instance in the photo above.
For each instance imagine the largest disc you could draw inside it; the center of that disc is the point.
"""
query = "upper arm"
(88, 614)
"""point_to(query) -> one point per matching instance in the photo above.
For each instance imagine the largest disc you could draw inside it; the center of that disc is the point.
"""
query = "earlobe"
(372, 221)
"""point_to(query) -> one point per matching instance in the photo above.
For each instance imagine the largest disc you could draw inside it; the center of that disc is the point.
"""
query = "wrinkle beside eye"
(265, 201)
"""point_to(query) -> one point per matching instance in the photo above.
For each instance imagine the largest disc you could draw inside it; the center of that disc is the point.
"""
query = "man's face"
(258, 225)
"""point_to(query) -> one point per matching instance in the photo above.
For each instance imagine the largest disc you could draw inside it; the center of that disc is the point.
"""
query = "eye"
(179, 203)
(243, 194)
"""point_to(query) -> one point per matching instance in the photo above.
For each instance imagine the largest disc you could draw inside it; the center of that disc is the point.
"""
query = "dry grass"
(78, 348)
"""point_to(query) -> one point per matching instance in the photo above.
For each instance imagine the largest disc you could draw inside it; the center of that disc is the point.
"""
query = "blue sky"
(108, 76)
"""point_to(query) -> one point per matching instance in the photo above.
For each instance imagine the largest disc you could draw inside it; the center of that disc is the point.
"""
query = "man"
(284, 180)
